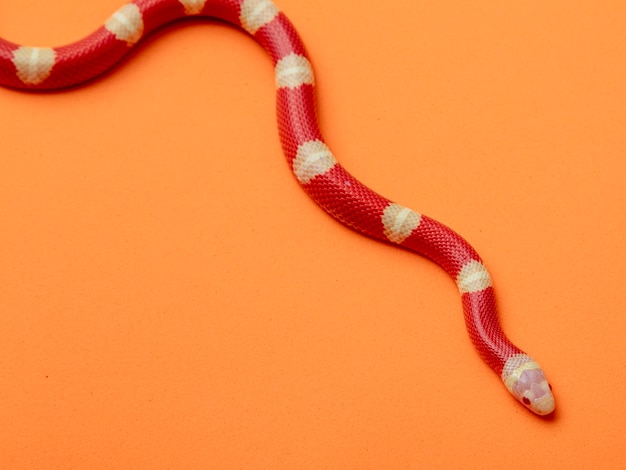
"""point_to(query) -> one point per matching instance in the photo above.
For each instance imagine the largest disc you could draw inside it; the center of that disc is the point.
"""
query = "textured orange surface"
(170, 298)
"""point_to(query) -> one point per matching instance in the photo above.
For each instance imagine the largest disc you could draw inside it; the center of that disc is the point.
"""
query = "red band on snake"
(312, 162)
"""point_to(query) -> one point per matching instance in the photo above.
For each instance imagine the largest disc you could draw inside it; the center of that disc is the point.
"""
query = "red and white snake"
(313, 164)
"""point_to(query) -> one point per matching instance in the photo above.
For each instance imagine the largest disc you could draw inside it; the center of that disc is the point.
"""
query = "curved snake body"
(312, 162)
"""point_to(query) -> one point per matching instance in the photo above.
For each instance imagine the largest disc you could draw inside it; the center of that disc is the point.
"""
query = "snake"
(313, 164)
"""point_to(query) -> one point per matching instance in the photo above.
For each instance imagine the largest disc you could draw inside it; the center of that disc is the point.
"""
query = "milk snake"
(313, 164)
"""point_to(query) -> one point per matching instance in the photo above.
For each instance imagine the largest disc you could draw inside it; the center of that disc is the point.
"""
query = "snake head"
(527, 382)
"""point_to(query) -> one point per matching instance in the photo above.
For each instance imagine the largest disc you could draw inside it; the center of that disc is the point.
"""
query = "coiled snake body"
(312, 162)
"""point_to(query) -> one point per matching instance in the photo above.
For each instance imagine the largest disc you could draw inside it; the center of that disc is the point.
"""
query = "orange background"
(170, 298)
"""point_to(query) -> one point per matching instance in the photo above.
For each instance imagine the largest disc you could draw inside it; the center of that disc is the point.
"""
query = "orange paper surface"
(170, 297)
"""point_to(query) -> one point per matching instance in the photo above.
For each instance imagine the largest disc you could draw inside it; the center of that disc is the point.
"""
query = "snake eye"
(526, 401)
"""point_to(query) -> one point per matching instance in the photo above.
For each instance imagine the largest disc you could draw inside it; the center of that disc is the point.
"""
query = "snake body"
(312, 162)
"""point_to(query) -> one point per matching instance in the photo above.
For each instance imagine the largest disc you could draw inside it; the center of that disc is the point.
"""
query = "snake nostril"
(526, 401)
(550, 386)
